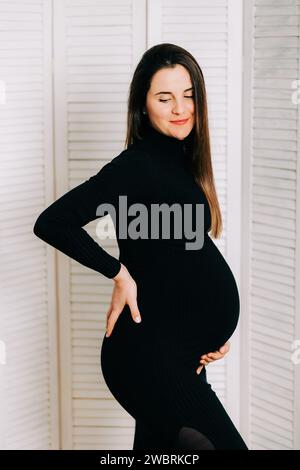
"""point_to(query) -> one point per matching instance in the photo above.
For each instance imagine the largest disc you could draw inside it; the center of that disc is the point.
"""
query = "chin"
(182, 134)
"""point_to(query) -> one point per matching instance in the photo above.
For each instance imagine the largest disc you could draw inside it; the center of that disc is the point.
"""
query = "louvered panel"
(88, 369)
(264, 258)
(87, 322)
(88, 342)
(202, 28)
(266, 290)
(286, 328)
(24, 372)
(95, 52)
(99, 433)
(276, 315)
(279, 394)
(285, 404)
(28, 442)
(9, 249)
(281, 414)
(261, 272)
(29, 380)
(30, 391)
(15, 268)
(269, 365)
(103, 446)
(261, 334)
(92, 297)
(270, 421)
(278, 357)
(273, 255)
(37, 409)
(93, 441)
(93, 436)
(267, 436)
(41, 350)
(282, 289)
(37, 326)
(119, 421)
(20, 189)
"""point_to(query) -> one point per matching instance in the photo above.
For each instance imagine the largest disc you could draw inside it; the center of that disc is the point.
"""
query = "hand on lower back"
(124, 292)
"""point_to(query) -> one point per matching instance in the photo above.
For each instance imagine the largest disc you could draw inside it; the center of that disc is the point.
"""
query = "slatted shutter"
(273, 45)
(29, 400)
(208, 29)
(96, 46)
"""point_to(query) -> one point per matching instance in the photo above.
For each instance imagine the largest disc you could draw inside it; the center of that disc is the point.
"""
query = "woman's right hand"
(124, 292)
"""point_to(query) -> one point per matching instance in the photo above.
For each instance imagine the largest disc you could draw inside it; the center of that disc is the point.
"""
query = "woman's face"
(170, 98)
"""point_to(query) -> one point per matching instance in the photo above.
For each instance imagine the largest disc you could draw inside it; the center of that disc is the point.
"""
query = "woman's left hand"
(213, 356)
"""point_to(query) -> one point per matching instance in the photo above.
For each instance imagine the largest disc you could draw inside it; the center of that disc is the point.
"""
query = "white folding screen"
(212, 31)
(271, 377)
(29, 401)
(96, 47)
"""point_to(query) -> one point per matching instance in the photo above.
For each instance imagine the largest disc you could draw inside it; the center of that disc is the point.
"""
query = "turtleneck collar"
(165, 146)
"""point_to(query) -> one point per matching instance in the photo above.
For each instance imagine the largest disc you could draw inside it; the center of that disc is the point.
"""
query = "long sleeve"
(60, 224)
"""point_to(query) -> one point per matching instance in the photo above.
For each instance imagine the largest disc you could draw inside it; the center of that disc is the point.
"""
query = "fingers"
(112, 317)
(199, 370)
(135, 313)
(206, 359)
(210, 357)
(225, 348)
(213, 356)
(114, 313)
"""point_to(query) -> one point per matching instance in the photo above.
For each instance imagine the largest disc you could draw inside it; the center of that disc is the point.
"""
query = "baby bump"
(189, 304)
(224, 291)
(198, 303)
(216, 297)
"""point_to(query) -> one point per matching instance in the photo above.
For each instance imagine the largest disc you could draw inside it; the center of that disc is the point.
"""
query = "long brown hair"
(169, 55)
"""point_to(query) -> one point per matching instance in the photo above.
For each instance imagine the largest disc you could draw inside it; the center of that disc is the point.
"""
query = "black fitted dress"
(188, 299)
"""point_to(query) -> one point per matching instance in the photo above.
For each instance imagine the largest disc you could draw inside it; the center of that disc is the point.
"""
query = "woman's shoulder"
(134, 156)
(129, 164)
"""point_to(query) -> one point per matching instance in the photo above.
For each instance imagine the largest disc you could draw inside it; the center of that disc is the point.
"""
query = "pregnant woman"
(161, 196)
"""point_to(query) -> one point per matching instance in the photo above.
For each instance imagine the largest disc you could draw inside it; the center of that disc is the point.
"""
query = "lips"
(182, 121)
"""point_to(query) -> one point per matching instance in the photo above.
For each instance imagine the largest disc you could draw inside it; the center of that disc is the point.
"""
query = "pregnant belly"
(189, 303)
(211, 297)
(193, 299)
(215, 292)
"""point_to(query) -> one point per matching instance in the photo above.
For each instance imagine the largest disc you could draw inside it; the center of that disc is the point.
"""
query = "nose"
(178, 107)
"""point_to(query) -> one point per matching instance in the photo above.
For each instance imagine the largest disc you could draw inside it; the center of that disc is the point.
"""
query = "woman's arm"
(60, 224)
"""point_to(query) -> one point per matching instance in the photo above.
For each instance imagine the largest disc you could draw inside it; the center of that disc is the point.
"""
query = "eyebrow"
(169, 93)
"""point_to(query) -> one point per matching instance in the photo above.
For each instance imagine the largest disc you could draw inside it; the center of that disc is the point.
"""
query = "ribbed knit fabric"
(188, 299)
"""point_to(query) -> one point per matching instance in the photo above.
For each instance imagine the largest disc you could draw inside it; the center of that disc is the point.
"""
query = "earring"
(144, 112)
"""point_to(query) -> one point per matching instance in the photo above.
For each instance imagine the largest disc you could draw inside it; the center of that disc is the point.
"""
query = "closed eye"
(164, 101)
